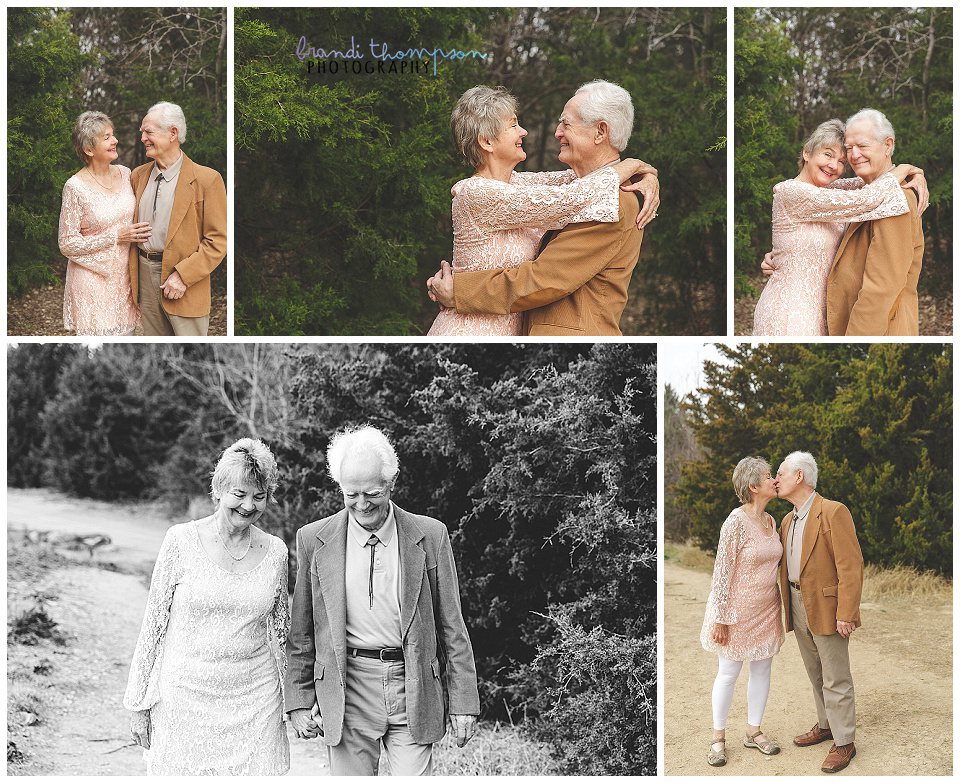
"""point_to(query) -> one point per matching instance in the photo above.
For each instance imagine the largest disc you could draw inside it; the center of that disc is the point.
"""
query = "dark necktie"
(156, 193)
(372, 543)
(793, 533)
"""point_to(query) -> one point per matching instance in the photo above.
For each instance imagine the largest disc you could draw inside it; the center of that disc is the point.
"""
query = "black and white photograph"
(260, 559)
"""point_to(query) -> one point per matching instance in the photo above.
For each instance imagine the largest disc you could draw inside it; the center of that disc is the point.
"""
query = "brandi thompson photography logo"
(376, 58)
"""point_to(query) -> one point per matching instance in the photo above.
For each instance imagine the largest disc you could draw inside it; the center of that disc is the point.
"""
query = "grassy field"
(896, 583)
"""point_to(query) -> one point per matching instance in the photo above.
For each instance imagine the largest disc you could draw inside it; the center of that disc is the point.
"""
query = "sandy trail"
(902, 671)
(86, 729)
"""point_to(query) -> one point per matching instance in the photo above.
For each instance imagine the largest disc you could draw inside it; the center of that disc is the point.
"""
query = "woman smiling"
(205, 679)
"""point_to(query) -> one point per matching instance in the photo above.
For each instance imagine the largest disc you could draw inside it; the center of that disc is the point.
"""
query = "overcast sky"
(681, 363)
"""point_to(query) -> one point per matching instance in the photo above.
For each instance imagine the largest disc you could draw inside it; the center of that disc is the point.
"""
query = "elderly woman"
(96, 229)
(205, 679)
(810, 215)
(499, 215)
(742, 621)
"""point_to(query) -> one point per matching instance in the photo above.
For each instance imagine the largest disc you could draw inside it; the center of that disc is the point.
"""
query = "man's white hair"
(802, 460)
(882, 129)
(169, 115)
(362, 441)
(610, 103)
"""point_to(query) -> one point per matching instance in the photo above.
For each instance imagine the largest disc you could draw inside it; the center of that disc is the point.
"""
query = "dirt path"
(86, 729)
(901, 668)
(39, 312)
(936, 312)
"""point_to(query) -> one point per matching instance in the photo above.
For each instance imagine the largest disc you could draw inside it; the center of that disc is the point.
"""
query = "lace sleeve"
(494, 206)
(724, 568)
(543, 177)
(807, 203)
(279, 622)
(141, 691)
(86, 251)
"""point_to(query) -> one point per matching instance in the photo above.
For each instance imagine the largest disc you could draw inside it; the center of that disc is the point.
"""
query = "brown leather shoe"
(813, 737)
(838, 757)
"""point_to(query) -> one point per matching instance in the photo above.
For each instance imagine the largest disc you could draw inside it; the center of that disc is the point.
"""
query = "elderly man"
(378, 650)
(821, 577)
(186, 207)
(577, 284)
(872, 284)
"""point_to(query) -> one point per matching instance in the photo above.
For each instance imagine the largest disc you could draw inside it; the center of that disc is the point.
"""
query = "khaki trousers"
(156, 322)
(375, 713)
(827, 660)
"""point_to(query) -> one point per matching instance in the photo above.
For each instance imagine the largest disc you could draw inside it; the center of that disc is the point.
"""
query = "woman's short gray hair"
(749, 473)
(802, 460)
(362, 441)
(86, 129)
(479, 114)
(610, 103)
(826, 134)
(248, 461)
(882, 129)
(169, 115)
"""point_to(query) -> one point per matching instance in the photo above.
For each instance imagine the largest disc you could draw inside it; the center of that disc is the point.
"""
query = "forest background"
(540, 459)
(877, 418)
(345, 208)
(797, 67)
(121, 61)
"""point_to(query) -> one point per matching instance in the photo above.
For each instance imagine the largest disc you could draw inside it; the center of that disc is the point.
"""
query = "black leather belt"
(794, 585)
(150, 255)
(386, 654)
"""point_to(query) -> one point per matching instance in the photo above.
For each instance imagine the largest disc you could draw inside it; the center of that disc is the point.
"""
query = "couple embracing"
(141, 244)
(543, 253)
(817, 556)
(847, 251)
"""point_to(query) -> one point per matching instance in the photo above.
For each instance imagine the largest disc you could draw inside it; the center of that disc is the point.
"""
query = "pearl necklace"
(216, 527)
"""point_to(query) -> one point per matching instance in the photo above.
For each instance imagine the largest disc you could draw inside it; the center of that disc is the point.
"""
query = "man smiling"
(186, 207)
(872, 285)
(378, 650)
(577, 284)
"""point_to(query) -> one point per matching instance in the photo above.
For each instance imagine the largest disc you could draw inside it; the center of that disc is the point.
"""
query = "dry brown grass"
(898, 583)
(905, 584)
(498, 749)
(688, 556)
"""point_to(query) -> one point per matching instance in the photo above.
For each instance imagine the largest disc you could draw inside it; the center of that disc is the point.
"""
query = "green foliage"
(44, 62)
(33, 376)
(797, 67)
(877, 418)
(346, 206)
(602, 687)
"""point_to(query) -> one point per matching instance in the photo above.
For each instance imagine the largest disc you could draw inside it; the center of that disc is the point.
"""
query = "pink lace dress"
(96, 297)
(744, 593)
(498, 225)
(808, 224)
(210, 661)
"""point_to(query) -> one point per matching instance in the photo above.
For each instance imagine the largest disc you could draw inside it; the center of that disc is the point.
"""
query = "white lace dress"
(808, 224)
(96, 297)
(498, 225)
(744, 593)
(210, 660)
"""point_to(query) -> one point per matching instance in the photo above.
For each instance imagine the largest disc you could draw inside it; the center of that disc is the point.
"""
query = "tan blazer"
(440, 671)
(872, 285)
(576, 286)
(831, 567)
(196, 236)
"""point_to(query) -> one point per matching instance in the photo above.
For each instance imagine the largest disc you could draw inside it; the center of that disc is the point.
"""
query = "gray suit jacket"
(440, 671)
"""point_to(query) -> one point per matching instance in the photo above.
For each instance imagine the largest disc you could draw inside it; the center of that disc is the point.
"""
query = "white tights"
(758, 688)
